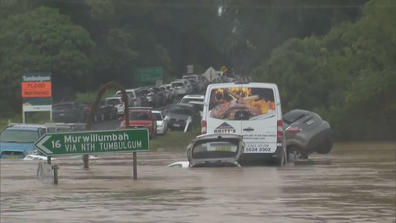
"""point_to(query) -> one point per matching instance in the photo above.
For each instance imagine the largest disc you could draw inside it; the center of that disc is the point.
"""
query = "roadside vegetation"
(31, 117)
(174, 140)
(332, 57)
(91, 96)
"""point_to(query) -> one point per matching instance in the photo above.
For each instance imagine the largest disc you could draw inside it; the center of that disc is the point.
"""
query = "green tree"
(43, 40)
(348, 76)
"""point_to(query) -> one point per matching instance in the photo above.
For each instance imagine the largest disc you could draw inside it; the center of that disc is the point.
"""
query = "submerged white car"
(215, 150)
(36, 157)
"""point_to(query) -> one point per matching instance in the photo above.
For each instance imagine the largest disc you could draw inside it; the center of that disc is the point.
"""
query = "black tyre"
(297, 152)
(325, 147)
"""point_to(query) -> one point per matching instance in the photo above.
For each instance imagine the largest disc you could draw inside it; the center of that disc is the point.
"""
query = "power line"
(181, 5)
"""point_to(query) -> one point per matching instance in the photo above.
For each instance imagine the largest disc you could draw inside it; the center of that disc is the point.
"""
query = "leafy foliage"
(331, 56)
(347, 76)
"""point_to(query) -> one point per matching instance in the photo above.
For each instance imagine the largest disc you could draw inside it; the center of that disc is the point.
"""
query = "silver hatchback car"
(306, 133)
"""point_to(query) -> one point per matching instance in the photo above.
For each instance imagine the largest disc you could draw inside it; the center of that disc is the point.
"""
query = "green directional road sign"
(114, 141)
(148, 74)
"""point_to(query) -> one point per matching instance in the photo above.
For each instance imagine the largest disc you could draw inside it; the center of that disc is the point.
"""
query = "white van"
(252, 110)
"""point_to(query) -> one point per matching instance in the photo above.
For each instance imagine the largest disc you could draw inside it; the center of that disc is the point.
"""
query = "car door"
(259, 122)
(221, 108)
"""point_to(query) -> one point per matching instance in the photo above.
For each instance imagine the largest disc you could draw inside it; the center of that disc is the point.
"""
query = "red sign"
(36, 89)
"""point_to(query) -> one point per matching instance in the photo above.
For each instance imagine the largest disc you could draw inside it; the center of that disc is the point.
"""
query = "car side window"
(42, 132)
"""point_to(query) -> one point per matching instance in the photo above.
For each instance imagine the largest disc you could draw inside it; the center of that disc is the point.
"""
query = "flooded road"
(359, 186)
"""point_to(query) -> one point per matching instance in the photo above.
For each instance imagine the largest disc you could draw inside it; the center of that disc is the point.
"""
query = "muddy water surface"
(359, 186)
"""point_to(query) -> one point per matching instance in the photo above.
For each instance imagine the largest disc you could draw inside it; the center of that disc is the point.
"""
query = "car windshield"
(177, 84)
(215, 148)
(144, 92)
(157, 116)
(189, 77)
(62, 107)
(181, 110)
(20, 136)
(114, 101)
(139, 116)
(154, 90)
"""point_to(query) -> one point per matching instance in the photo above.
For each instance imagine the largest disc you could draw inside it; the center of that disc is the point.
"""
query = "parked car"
(306, 133)
(162, 122)
(110, 111)
(168, 94)
(67, 112)
(173, 90)
(178, 116)
(216, 150)
(142, 94)
(197, 79)
(17, 140)
(192, 97)
(194, 85)
(134, 101)
(181, 87)
(99, 113)
(161, 95)
(142, 118)
(205, 81)
(153, 99)
(117, 103)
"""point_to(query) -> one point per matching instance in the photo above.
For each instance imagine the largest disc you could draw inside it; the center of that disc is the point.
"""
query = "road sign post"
(190, 69)
(93, 142)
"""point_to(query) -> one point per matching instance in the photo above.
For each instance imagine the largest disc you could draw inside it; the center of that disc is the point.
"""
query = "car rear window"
(139, 116)
(215, 148)
(179, 84)
(181, 110)
(242, 103)
(62, 107)
(292, 116)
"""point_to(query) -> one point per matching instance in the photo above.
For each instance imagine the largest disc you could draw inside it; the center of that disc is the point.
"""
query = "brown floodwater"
(359, 186)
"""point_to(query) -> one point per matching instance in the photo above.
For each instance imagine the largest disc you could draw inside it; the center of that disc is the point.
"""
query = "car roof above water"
(31, 127)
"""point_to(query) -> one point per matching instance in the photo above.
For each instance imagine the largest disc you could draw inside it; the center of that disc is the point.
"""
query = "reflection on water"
(359, 186)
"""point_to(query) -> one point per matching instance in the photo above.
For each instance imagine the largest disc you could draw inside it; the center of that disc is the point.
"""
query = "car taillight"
(203, 125)
(279, 131)
(293, 129)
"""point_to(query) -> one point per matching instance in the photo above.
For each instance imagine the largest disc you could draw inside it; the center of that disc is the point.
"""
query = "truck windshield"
(19, 136)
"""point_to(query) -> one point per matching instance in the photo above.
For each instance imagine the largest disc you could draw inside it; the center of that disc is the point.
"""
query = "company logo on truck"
(225, 128)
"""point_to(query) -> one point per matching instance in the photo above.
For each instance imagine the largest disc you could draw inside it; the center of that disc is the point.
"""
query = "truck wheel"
(280, 161)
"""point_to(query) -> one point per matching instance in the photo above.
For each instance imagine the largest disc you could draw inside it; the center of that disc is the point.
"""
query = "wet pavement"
(359, 186)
